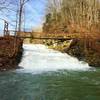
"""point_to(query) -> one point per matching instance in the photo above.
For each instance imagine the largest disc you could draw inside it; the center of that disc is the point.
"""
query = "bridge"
(33, 35)
(29, 34)
(46, 38)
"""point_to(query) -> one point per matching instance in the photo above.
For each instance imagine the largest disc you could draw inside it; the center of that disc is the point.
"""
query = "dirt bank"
(81, 49)
(10, 52)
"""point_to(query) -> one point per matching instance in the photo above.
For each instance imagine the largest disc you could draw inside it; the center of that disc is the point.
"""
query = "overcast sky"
(34, 14)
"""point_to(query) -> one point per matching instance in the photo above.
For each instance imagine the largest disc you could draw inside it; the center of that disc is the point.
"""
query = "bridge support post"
(6, 32)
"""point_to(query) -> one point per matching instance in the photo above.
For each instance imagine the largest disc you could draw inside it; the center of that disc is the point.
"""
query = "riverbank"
(10, 52)
(84, 52)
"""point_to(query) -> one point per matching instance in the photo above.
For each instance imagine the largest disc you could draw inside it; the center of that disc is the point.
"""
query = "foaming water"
(38, 58)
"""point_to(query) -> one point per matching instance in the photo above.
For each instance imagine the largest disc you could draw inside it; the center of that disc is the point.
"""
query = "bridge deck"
(52, 38)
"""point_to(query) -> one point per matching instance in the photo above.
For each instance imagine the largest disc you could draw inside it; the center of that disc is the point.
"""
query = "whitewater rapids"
(38, 58)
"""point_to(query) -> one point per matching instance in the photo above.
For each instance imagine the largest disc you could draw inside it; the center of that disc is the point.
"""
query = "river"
(46, 74)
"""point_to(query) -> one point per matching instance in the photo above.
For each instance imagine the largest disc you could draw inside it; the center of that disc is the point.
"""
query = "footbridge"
(46, 38)
(34, 35)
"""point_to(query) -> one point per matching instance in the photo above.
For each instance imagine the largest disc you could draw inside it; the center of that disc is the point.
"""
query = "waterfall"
(38, 58)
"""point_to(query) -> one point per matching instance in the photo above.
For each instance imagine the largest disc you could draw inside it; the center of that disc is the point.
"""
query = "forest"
(72, 16)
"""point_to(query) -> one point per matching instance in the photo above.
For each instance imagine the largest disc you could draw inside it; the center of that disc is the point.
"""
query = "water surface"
(50, 75)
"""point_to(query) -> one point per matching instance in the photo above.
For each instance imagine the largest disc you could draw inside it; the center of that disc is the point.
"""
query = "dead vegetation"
(10, 52)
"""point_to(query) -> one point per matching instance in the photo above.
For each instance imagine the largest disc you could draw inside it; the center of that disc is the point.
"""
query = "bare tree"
(80, 13)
